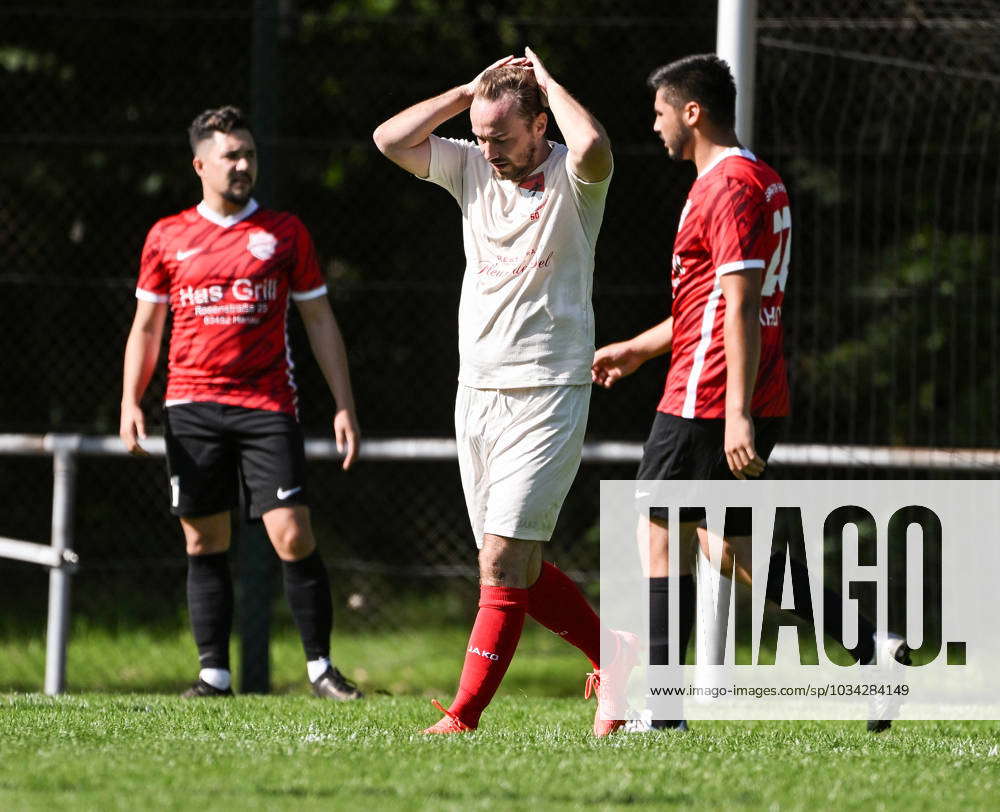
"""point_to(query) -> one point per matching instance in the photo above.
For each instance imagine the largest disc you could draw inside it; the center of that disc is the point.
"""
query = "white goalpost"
(736, 43)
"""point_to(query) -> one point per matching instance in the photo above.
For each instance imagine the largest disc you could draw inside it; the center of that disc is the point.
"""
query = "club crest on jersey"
(262, 244)
(532, 187)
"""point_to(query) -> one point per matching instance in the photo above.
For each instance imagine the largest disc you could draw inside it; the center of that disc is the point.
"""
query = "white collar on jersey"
(232, 219)
(729, 153)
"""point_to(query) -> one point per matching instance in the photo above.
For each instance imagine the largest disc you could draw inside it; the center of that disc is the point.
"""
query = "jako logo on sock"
(489, 655)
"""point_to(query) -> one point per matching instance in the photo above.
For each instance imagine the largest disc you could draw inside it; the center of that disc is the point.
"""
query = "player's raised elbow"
(383, 140)
(593, 157)
(401, 151)
(389, 141)
(393, 147)
(597, 141)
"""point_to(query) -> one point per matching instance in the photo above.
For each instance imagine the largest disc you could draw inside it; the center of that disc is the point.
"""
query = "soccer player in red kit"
(226, 270)
(726, 392)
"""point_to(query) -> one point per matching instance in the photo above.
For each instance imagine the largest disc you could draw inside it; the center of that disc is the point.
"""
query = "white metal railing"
(431, 448)
(59, 557)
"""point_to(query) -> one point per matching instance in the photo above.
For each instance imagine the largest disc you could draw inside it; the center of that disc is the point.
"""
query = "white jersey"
(525, 317)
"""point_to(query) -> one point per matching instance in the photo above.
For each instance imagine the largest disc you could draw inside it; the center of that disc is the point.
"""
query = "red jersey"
(736, 218)
(228, 280)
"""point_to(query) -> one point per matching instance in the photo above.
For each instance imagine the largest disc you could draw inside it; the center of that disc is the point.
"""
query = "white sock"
(316, 668)
(216, 677)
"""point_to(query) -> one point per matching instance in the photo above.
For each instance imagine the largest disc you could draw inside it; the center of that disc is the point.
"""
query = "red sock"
(559, 605)
(491, 648)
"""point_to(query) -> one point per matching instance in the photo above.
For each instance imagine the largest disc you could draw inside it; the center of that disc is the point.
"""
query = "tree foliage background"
(882, 120)
(881, 115)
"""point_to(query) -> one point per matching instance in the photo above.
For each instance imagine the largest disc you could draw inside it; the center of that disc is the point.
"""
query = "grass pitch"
(293, 752)
(135, 750)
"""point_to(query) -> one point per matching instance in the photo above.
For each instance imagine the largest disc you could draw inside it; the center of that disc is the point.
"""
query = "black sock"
(832, 607)
(659, 624)
(308, 589)
(659, 617)
(210, 605)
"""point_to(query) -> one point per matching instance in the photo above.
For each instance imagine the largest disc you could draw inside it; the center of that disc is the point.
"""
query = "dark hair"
(518, 83)
(221, 120)
(703, 78)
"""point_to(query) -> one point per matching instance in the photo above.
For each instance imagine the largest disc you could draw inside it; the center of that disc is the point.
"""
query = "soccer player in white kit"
(531, 212)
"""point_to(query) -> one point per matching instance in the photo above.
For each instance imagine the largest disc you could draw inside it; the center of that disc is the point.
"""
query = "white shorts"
(518, 453)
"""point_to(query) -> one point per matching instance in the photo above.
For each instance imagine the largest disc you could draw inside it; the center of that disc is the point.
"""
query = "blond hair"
(518, 83)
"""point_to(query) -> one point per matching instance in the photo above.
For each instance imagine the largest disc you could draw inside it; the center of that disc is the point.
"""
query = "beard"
(675, 147)
(239, 197)
(519, 171)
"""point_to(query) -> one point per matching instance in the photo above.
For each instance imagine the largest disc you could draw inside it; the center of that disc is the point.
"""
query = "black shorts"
(692, 448)
(213, 450)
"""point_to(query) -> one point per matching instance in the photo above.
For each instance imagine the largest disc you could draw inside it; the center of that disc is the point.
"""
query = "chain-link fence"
(881, 116)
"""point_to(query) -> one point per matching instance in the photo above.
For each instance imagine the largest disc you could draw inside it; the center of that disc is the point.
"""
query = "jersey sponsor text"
(228, 287)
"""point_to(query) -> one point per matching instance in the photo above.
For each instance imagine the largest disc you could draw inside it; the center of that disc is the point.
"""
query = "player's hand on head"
(739, 448)
(511, 60)
(613, 362)
(348, 436)
(132, 429)
(542, 75)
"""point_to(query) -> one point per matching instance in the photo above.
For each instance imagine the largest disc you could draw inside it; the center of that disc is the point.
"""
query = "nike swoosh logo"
(183, 255)
(283, 494)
